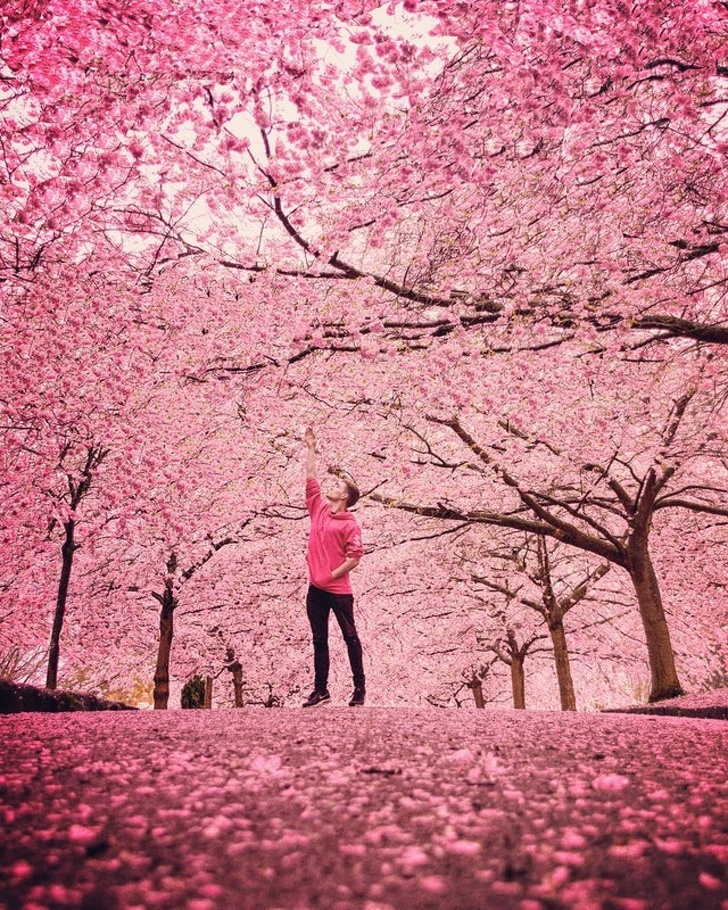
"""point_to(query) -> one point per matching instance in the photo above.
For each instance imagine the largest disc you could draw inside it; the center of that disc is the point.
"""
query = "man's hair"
(352, 494)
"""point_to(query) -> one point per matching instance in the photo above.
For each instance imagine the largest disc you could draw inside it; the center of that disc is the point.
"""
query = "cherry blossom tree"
(97, 443)
(168, 601)
(77, 491)
(674, 470)
(525, 568)
(67, 372)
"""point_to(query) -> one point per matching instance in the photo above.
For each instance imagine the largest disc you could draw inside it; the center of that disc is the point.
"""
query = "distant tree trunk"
(166, 633)
(514, 656)
(208, 692)
(477, 686)
(664, 678)
(563, 664)
(518, 682)
(54, 649)
(236, 668)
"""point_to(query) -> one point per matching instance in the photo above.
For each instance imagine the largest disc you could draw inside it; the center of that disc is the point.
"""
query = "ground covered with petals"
(372, 808)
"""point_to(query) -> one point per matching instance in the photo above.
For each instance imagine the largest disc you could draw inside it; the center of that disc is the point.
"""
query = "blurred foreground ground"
(362, 809)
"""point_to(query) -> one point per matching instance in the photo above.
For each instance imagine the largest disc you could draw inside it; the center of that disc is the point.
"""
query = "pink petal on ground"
(80, 834)
(709, 881)
(610, 782)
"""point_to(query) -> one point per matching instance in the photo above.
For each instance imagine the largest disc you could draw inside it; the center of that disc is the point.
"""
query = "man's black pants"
(318, 606)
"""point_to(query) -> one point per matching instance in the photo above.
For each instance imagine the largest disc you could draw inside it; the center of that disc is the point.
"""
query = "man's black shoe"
(316, 698)
(357, 697)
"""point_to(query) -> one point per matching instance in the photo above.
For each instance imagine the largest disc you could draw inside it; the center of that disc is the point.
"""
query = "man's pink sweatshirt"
(334, 538)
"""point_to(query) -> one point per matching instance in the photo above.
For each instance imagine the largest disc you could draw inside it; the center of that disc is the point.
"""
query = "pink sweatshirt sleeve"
(354, 547)
(314, 500)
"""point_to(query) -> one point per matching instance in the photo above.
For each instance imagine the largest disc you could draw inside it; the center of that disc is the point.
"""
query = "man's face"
(336, 492)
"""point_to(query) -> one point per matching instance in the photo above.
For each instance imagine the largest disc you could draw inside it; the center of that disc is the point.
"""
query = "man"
(334, 550)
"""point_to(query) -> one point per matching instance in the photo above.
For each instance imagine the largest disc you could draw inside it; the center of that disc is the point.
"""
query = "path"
(362, 809)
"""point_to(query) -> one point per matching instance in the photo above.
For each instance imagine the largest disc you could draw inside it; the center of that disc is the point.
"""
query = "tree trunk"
(236, 668)
(563, 665)
(518, 682)
(54, 649)
(664, 678)
(477, 686)
(166, 632)
(208, 692)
